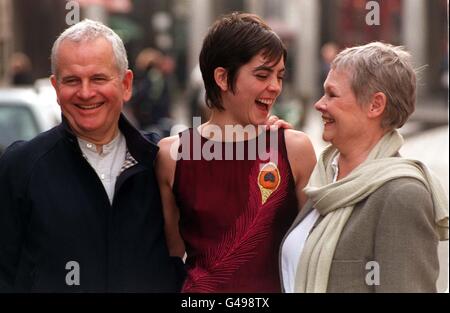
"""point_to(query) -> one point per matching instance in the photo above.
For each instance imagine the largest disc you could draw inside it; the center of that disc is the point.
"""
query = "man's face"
(90, 89)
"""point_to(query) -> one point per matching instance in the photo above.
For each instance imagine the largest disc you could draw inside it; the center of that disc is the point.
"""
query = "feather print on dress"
(239, 244)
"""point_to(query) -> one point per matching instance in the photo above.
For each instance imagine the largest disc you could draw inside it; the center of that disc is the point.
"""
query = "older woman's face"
(343, 117)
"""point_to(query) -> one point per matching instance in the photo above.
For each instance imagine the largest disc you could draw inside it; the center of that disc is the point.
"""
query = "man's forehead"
(85, 53)
(88, 41)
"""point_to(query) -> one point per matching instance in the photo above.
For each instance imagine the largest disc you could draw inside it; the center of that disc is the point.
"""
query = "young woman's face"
(258, 84)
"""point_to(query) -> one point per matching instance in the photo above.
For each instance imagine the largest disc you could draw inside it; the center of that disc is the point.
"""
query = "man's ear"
(54, 82)
(221, 78)
(127, 83)
(377, 105)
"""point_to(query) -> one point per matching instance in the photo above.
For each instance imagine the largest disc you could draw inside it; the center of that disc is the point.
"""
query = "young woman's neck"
(222, 127)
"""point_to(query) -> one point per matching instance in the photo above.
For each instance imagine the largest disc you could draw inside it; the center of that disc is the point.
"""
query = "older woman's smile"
(327, 120)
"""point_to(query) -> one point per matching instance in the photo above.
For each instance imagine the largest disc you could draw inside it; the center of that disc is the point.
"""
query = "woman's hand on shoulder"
(274, 122)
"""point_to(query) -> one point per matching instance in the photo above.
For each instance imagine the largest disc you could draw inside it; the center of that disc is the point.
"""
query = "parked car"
(24, 113)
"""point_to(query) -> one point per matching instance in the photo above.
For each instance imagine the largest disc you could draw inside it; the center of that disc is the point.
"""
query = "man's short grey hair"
(87, 30)
(379, 67)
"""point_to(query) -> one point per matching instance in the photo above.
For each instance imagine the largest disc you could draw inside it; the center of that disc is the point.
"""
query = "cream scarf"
(336, 200)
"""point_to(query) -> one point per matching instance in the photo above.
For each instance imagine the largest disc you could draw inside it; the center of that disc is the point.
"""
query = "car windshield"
(16, 123)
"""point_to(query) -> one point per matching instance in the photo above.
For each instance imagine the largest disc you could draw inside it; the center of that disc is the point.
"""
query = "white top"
(108, 163)
(292, 248)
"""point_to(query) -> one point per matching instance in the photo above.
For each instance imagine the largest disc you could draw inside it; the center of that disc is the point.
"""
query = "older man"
(80, 206)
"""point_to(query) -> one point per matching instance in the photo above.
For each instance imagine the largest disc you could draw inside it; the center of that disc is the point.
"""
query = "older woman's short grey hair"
(87, 30)
(379, 67)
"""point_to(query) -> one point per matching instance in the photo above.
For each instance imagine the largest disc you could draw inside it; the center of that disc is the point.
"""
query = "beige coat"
(393, 227)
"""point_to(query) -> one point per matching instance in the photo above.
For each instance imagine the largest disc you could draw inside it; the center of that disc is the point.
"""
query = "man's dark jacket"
(54, 210)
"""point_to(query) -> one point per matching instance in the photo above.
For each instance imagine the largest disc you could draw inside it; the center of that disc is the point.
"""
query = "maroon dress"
(234, 214)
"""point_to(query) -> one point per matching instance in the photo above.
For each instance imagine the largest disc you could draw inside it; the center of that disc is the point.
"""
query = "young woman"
(235, 187)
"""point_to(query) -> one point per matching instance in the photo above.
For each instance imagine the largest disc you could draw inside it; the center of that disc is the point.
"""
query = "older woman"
(373, 219)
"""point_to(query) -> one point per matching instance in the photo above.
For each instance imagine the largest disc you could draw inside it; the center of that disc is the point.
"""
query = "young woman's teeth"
(265, 101)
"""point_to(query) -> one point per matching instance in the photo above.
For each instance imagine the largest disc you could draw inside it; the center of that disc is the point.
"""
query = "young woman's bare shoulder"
(298, 141)
(301, 154)
(168, 146)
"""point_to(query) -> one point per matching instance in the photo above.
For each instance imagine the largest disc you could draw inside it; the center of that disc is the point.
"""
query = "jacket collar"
(141, 147)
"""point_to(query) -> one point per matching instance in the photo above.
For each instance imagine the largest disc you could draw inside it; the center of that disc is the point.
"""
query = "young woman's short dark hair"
(231, 42)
